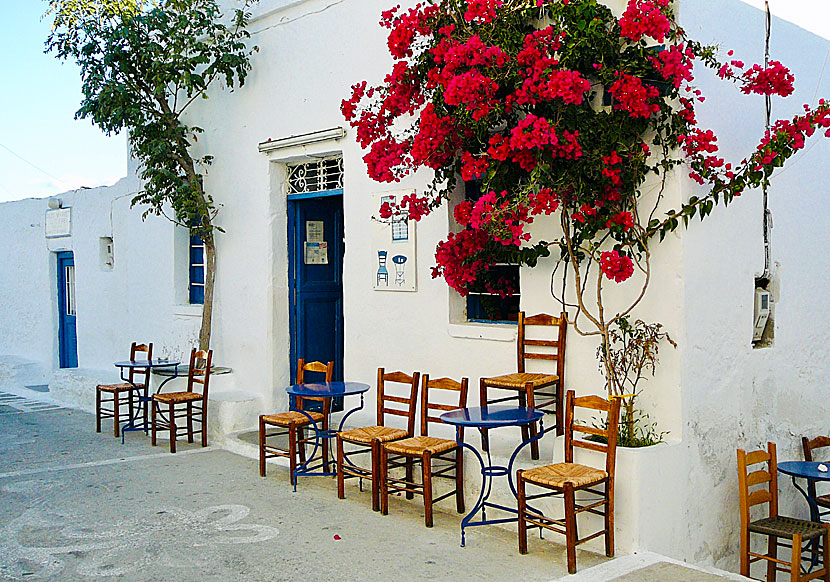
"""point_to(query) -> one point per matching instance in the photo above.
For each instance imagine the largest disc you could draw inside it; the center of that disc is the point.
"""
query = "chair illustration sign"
(393, 247)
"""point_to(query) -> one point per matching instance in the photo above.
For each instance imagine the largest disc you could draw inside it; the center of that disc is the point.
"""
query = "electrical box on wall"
(762, 311)
(107, 255)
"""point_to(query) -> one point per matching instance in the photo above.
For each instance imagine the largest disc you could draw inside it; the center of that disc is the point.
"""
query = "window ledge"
(187, 310)
(499, 332)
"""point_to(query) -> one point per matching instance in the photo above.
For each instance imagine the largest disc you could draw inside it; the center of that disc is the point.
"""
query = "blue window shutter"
(197, 270)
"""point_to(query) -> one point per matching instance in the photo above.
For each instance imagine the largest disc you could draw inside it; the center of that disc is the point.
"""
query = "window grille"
(315, 176)
(197, 270)
(484, 305)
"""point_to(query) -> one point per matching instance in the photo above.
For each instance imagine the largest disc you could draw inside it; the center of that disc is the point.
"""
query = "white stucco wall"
(714, 393)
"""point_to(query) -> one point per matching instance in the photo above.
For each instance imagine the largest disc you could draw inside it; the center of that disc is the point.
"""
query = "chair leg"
(375, 470)
(97, 410)
(525, 430)
(204, 421)
(341, 490)
(772, 551)
(482, 395)
(609, 521)
(459, 480)
(384, 486)
(292, 453)
(522, 510)
(326, 446)
(301, 445)
(261, 447)
(152, 404)
(172, 428)
(795, 566)
(560, 405)
(825, 544)
(426, 466)
(570, 527)
(531, 402)
(190, 422)
(130, 408)
(408, 464)
(116, 410)
(744, 552)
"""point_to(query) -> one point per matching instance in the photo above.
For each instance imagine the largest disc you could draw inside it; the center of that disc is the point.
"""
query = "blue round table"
(323, 390)
(143, 399)
(806, 470)
(490, 417)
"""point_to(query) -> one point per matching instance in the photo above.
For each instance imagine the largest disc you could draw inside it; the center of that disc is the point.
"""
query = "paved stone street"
(77, 505)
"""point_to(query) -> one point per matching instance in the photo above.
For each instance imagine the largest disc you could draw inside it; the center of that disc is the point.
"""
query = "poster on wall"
(393, 246)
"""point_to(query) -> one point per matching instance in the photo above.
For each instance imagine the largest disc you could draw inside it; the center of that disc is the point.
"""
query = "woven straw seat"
(291, 417)
(560, 473)
(520, 380)
(420, 445)
(787, 527)
(176, 397)
(118, 388)
(365, 435)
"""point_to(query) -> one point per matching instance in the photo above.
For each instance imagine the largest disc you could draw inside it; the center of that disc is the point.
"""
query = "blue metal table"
(144, 398)
(323, 390)
(806, 470)
(489, 417)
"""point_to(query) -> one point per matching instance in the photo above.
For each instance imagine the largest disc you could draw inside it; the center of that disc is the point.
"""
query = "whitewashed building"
(713, 394)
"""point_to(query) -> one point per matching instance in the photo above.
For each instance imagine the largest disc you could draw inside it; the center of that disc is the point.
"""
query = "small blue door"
(316, 247)
(67, 334)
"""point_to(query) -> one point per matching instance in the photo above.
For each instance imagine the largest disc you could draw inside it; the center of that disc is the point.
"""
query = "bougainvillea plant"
(558, 108)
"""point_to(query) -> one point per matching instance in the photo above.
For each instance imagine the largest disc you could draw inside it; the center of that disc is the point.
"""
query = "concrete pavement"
(77, 505)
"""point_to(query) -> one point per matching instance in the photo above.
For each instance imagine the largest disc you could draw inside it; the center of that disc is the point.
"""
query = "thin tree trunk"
(210, 277)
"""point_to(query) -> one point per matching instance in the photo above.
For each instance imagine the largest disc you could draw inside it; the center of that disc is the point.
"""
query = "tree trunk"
(210, 278)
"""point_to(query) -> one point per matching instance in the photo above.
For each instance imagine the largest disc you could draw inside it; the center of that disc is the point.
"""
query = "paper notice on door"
(314, 230)
(316, 253)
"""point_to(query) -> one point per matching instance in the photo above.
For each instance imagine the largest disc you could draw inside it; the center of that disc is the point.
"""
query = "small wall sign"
(316, 253)
(58, 222)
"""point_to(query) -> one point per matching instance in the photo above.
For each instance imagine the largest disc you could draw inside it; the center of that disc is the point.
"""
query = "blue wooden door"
(67, 334)
(316, 247)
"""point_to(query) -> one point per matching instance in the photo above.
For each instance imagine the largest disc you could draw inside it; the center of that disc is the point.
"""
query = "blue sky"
(38, 100)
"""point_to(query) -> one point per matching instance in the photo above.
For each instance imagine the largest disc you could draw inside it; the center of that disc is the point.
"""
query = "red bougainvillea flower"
(631, 95)
(645, 18)
(481, 10)
(615, 266)
(774, 80)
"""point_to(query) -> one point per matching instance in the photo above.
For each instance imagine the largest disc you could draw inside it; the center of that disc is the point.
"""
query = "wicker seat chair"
(426, 449)
(196, 403)
(774, 526)
(292, 424)
(566, 478)
(809, 446)
(368, 440)
(543, 391)
(139, 380)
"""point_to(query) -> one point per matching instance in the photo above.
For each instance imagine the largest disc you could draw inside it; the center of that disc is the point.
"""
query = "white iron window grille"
(315, 176)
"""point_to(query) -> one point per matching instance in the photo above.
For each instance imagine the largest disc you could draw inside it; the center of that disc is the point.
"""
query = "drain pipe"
(767, 218)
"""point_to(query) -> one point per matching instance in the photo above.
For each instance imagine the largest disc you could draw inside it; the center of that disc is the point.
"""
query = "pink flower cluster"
(405, 27)
(616, 266)
(631, 95)
(482, 11)
(774, 80)
(645, 18)
(675, 64)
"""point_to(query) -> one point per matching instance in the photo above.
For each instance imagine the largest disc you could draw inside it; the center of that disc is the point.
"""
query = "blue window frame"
(197, 270)
(484, 305)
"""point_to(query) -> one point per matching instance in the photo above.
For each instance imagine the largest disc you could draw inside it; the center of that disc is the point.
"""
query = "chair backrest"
(317, 368)
(140, 351)
(764, 479)
(554, 348)
(428, 387)
(810, 445)
(199, 371)
(608, 433)
(408, 404)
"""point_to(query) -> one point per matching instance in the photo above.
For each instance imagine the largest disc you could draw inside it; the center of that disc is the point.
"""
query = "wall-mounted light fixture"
(54, 203)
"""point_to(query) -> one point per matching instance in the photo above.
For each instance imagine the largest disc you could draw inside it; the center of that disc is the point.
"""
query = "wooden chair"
(426, 449)
(369, 439)
(294, 422)
(810, 445)
(568, 477)
(547, 388)
(196, 403)
(774, 526)
(139, 380)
